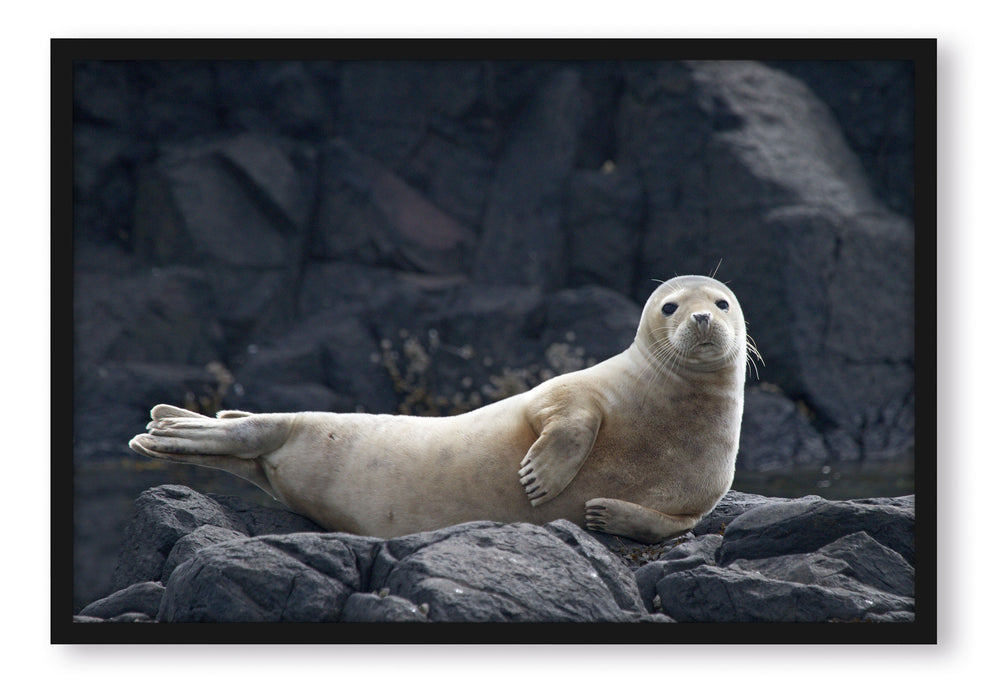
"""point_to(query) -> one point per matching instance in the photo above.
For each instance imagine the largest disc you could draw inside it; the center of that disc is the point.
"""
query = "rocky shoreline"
(188, 557)
(413, 237)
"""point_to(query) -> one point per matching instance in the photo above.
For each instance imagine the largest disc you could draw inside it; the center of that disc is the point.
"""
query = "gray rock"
(693, 553)
(372, 607)
(731, 594)
(732, 505)
(776, 435)
(392, 108)
(742, 163)
(160, 315)
(522, 236)
(805, 524)
(283, 97)
(186, 546)
(603, 217)
(852, 562)
(896, 616)
(252, 519)
(369, 215)
(258, 579)
(598, 556)
(165, 514)
(486, 572)
(473, 572)
(872, 100)
(238, 202)
(144, 598)
(821, 560)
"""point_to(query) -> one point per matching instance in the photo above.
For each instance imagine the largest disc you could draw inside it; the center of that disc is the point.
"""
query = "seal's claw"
(596, 515)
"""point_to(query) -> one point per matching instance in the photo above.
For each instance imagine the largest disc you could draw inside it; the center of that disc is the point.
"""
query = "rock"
(522, 237)
(829, 566)
(132, 617)
(187, 545)
(852, 558)
(238, 208)
(143, 598)
(236, 202)
(871, 99)
(369, 215)
(159, 315)
(694, 553)
(392, 107)
(485, 572)
(776, 435)
(718, 594)
(373, 607)
(257, 580)
(472, 572)
(288, 98)
(743, 164)
(732, 505)
(805, 524)
(603, 216)
(158, 83)
(262, 567)
(165, 514)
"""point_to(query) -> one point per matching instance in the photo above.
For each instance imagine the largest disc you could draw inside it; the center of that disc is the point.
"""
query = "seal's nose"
(702, 319)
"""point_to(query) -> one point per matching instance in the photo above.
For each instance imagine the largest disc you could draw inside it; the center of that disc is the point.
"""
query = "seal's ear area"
(163, 410)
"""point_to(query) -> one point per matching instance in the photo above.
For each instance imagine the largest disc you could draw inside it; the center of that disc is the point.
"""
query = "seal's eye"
(722, 304)
(668, 308)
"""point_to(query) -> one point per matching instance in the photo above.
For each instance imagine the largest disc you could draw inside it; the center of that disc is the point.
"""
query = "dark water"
(835, 481)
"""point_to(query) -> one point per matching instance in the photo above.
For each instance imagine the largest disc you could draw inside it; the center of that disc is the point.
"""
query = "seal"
(641, 445)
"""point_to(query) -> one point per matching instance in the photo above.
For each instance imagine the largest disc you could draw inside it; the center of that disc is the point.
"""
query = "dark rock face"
(803, 560)
(262, 567)
(745, 165)
(141, 598)
(514, 573)
(231, 566)
(205, 228)
(168, 515)
(427, 237)
(803, 525)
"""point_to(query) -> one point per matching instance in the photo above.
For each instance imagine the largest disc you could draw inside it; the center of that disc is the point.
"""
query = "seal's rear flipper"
(234, 443)
(634, 521)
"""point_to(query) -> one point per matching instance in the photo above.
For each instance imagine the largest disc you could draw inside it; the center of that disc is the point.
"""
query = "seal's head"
(693, 322)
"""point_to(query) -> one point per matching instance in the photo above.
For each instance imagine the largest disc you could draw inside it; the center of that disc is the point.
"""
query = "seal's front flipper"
(634, 521)
(558, 453)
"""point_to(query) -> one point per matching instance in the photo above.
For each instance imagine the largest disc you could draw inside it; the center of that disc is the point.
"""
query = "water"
(835, 480)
